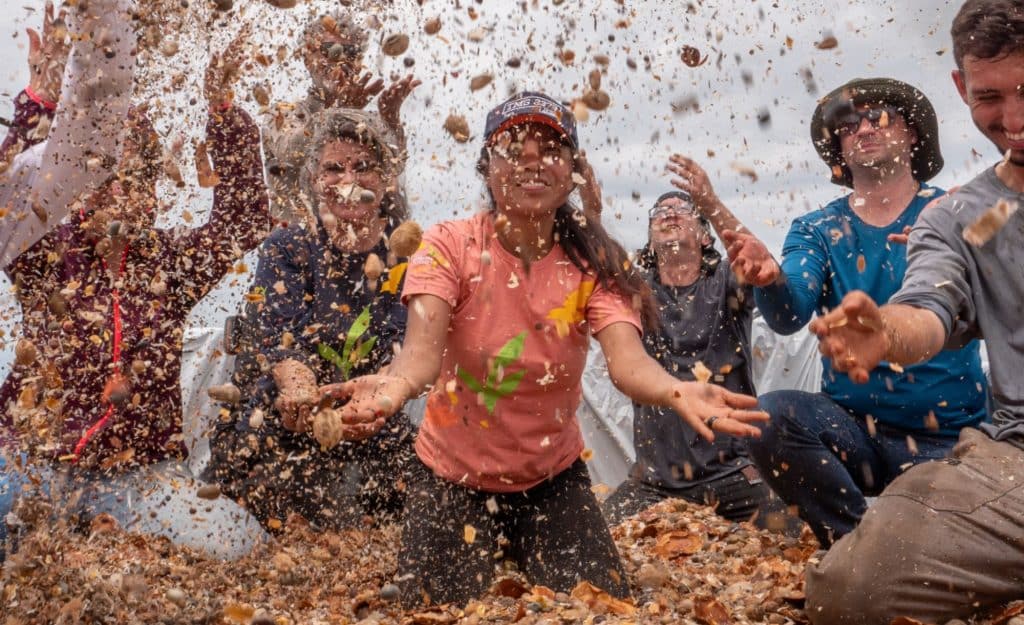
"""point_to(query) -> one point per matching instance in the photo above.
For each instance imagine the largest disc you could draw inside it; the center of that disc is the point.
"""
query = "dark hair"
(988, 29)
(591, 249)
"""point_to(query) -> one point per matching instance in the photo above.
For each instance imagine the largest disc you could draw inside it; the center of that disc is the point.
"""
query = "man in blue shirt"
(823, 452)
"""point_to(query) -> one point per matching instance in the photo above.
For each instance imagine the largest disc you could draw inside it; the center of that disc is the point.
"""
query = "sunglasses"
(849, 122)
(663, 210)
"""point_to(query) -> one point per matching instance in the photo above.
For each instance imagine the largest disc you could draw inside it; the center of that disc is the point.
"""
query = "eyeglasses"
(664, 210)
(849, 122)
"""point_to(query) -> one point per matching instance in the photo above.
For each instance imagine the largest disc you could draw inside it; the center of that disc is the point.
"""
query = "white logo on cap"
(530, 102)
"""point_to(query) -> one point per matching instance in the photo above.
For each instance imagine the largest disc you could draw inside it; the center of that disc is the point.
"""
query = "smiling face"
(885, 142)
(994, 91)
(350, 183)
(674, 223)
(530, 170)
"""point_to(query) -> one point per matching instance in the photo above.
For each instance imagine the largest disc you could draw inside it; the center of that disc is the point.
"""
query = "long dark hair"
(592, 250)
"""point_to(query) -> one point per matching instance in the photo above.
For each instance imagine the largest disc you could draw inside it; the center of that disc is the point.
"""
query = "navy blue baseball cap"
(531, 106)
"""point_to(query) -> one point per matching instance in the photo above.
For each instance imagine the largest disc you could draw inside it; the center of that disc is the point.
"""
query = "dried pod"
(227, 393)
(827, 43)
(172, 170)
(691, 57)
(138, 366)
(207, 177)
(25, 352)
(223, 5)
(395, 45)
(328, 430)
(406, 238)
(256, 419)
(432, 26)
(373, 267)
(594, 78)
(261, 94)
(596, 100)
(367, 197)
(208, 491)
(479, 82)
(457, 127)
(282, 4)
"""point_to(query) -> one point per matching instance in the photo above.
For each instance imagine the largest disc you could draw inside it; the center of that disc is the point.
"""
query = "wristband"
(38, 99)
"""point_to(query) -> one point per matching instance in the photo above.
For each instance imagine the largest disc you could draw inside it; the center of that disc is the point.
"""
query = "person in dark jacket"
(325, 316)
(705, 333)
(94, 394)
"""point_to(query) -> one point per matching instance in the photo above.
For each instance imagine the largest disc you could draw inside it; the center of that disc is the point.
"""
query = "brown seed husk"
(432, 26)
(457, 127)
(395, 45)
(406, 238)
(596, 100)
(328, 430)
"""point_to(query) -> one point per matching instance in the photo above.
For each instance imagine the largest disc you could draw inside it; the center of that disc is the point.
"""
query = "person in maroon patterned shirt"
(94, 393)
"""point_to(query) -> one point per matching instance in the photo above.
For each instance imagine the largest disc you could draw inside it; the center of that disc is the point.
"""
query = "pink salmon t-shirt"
(502, 414)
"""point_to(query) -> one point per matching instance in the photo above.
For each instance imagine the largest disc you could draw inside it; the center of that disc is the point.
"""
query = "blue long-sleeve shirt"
(827, 254)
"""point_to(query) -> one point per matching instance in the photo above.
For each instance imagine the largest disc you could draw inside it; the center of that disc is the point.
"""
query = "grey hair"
(348, 28)
(340, 124)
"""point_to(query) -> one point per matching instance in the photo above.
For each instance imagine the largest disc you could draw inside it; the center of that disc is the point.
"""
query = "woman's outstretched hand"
(708, 408)
(368, 401)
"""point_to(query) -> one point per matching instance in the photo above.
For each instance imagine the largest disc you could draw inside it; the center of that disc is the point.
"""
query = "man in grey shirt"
(946, 539)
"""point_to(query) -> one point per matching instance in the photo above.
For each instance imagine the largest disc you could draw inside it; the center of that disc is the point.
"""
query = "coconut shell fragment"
(989, 223)
(406, 238)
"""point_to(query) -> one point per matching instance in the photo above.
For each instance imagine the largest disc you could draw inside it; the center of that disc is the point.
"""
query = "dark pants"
(823, 459)
(735, 496)
(453, 537)
(330, 490)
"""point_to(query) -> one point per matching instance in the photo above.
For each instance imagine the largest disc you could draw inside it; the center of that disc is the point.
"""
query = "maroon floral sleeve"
(25, 130)
(240, 218)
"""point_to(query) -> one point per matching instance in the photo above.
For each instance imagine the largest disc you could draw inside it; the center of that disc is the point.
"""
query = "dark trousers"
(824, 460)
(453, 537)
(736, 496)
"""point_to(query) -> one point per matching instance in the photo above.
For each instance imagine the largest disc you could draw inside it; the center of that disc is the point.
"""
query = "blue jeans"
(822, 459)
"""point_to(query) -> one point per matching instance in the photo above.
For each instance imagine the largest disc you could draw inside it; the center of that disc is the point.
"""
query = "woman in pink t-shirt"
(501, 306)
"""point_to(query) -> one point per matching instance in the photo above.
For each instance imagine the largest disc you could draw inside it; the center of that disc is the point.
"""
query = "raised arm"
(83, 143)
(34, 107)
(705, 407)
(240, 218)
(749, 258)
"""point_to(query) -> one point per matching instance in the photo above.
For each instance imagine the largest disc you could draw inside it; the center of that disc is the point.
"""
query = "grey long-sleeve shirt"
(83, 144)
(977, 292)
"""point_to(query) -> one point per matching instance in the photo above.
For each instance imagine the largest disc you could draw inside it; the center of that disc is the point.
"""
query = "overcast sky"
(761, 58)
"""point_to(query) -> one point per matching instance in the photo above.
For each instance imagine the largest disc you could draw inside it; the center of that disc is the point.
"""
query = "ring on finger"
(710, 422)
